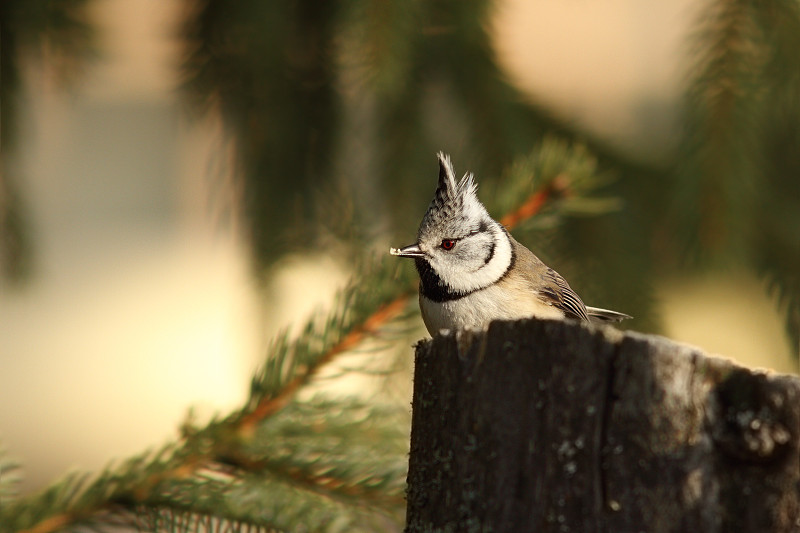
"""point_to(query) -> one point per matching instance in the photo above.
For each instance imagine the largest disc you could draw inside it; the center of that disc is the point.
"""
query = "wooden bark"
(543, 425)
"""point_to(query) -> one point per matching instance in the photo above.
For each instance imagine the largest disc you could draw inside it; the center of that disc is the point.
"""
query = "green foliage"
(315, 465)
(267, 68)
(400, 81)
(379, 282)
(735, 196)
(10, 471)
(570, 171)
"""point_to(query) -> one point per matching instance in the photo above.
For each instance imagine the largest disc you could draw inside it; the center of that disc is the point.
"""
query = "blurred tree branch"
(276, 448)
(58, 30)
(734, 196)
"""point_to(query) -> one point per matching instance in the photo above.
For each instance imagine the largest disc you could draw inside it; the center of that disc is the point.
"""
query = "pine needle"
(320, 452)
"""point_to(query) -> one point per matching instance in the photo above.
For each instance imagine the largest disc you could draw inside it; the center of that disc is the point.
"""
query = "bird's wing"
(550, 288)
(557, 292)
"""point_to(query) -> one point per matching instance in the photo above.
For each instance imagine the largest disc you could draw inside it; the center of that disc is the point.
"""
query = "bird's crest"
(453, 200)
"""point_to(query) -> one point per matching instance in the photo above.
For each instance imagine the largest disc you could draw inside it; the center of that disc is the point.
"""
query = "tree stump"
(545, 425)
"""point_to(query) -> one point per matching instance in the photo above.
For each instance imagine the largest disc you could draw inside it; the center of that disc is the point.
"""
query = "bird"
(472, 271)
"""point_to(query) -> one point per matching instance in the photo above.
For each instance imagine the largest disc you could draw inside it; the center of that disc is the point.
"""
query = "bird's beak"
(412, 250)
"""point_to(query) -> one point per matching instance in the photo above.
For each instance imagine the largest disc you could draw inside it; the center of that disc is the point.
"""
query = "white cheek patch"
(487, 273)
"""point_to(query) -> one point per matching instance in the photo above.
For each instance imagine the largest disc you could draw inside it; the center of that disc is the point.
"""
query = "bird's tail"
(604, 315)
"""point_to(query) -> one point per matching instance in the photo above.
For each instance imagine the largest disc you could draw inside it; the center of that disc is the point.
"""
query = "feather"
(559, 294)
(597, 314)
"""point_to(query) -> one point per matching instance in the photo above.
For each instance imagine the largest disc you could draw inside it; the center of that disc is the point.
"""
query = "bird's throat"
(432, 286)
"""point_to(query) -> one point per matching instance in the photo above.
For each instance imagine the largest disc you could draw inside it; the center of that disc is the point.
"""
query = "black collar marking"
(433, 288)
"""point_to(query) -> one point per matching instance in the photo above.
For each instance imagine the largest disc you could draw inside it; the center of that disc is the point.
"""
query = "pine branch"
(719, 182)
(734, 197)
(269, 443)
(270, 404)
(562, 171)
(9, 478)
(563, 178)
(535, 202)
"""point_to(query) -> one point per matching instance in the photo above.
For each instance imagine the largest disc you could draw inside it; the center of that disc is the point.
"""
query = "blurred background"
(182, 178)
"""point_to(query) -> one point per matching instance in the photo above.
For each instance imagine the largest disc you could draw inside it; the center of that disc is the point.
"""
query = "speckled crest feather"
(453, 202)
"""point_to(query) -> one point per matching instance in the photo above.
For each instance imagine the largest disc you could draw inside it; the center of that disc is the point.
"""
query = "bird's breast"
(478, 309)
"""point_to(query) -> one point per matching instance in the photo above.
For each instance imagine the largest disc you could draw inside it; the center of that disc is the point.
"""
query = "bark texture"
(543, 425)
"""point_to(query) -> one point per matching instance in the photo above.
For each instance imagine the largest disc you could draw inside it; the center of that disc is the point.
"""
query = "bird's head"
(459, 247)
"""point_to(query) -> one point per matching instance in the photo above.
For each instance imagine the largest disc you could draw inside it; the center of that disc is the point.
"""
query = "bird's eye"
(448, 244)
